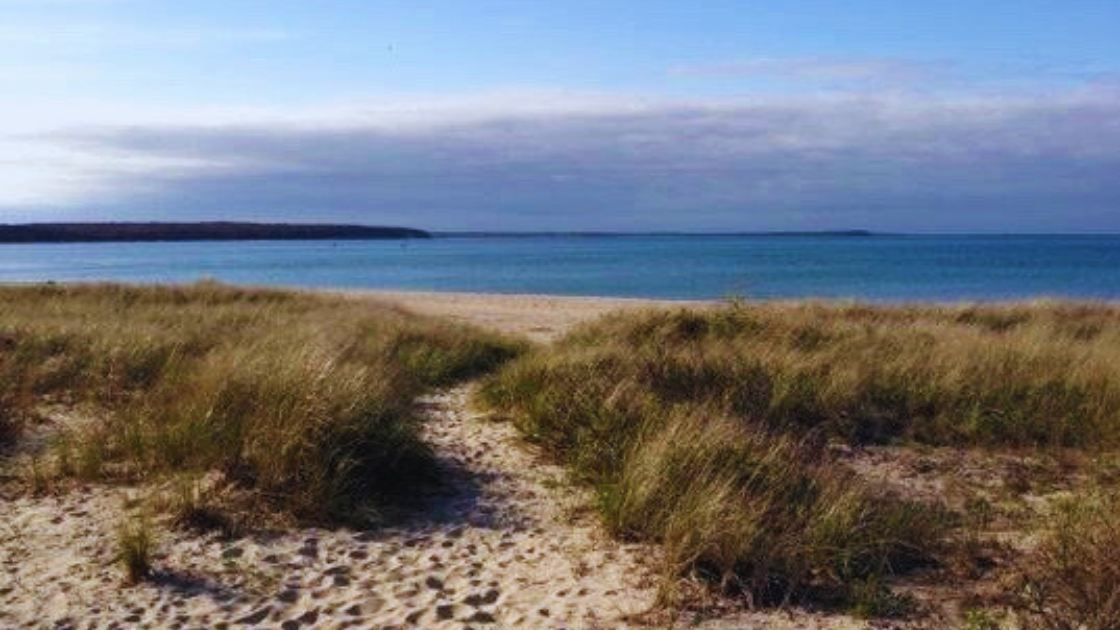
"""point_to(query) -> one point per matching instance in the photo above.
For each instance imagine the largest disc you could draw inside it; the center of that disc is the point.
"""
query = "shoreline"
(423, 297)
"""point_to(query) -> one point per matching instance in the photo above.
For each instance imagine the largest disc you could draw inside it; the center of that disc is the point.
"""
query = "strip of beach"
(537, 317)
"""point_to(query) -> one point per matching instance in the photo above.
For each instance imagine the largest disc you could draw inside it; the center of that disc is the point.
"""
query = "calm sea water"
(876, 268)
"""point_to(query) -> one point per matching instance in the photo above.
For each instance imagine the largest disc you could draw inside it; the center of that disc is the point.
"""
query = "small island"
(204, 231)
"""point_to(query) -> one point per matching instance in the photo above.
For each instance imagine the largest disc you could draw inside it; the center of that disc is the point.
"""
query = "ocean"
(877, 267)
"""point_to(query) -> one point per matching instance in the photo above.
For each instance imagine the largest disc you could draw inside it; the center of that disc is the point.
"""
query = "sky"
(615, 115)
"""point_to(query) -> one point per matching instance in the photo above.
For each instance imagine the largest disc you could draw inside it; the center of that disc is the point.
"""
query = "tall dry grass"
(1072, 579)
(135, 544)
(305, 399)
(758, 514)
(1044, 374)
(705, 430)
(11, 421)
(15, 402)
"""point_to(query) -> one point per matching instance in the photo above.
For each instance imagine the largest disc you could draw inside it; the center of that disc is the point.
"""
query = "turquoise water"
(875, 267)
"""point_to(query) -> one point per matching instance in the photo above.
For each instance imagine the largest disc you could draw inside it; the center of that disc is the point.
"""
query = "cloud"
(512, 162)
(822, 69)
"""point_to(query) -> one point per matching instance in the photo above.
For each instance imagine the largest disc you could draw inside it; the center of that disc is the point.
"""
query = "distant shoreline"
(226, 231)
(595, 234)
(205, 231)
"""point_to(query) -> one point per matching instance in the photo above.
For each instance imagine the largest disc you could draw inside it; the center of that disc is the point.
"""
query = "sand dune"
(507, 543)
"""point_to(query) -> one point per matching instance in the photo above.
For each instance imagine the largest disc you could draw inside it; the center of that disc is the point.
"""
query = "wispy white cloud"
(524, 161)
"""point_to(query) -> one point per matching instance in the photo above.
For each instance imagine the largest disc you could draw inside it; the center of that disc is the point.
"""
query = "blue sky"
(644, 115)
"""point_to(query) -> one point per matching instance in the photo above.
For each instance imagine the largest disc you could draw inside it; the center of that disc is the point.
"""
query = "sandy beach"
(537, 317)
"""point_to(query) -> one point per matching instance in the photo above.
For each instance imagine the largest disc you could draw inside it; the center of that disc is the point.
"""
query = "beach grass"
(709, 431)
(135, 544)
(10, 420)
(305, 399)
(1071, 580)
(1023, 375)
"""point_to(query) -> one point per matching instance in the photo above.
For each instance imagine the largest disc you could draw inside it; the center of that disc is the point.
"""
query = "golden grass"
(135, 545)
(707, 430)
(195, 506)
(305, 399)
(1072, 580)
(759, 514)
(1045, 374)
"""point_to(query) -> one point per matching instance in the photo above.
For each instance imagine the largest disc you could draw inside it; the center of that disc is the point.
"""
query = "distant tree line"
(206, 231)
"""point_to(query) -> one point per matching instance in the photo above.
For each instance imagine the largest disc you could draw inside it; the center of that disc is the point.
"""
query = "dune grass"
(1045, 374)
(11, 423)
(305, 399)
(708, 430)
(135, 543)
(1072, 579)
(14, 402)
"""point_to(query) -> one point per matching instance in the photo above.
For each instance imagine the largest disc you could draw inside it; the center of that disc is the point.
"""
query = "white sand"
(539, 317)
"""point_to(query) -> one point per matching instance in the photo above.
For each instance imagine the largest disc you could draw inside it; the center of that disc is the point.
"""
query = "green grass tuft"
(135, 545)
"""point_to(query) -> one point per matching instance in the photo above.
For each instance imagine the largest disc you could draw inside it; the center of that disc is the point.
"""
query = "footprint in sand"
(503, 553)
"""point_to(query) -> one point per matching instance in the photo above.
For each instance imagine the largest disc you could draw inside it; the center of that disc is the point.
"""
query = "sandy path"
(507, 544)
